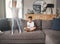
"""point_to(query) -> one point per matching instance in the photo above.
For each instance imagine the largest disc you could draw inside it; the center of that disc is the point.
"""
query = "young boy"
(30, 25)
(15, 16)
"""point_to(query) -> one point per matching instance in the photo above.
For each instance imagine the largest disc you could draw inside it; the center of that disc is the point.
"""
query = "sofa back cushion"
(38, 24)
(4, 25)
(56, 24)
(23, 23)
(46, 24)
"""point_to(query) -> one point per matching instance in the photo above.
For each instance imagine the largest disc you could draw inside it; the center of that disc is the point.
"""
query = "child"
(15, 15)
(30, 25)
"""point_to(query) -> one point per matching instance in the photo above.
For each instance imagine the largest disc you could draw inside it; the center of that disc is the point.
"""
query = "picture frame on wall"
(37, 8)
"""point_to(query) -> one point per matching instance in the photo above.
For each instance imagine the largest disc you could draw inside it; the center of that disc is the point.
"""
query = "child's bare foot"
(1, 32)
(19, 32)
(12, 33)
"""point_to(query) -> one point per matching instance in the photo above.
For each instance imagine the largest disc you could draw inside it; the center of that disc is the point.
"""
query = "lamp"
(49, 6)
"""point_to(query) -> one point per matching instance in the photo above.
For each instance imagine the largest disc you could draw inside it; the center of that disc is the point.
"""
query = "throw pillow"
(4, 25)
(38, 24)
(56, 24)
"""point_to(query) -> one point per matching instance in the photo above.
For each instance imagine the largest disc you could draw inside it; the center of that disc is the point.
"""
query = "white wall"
(58, 3)
(58, 6)
(2, 13)
(28, 4)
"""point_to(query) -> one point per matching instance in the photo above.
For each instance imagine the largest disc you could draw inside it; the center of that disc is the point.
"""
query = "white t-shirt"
(30, 25)
(15, 12)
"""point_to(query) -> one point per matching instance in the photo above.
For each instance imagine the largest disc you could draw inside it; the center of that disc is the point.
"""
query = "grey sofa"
(35, 37)
(44, 34)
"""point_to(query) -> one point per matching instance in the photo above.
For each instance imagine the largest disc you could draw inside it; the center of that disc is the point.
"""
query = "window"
(8, 10)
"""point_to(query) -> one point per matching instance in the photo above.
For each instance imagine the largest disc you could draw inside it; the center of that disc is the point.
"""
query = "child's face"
(14, 4)
(29, 20)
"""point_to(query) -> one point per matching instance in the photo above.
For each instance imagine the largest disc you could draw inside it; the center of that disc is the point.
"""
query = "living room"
(44, 13)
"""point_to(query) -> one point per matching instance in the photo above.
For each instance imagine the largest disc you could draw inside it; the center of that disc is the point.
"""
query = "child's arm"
(9, 4)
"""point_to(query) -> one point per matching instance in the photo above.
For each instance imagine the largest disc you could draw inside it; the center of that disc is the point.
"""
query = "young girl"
(15, 15)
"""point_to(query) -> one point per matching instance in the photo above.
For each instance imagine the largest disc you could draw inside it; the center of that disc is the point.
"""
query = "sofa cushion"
(38, 23)
(46, 24)
(23, 23)
(25, 35)
(4, 25)
(56, 24)
(52, 36)
(28, 37)
(35, 35)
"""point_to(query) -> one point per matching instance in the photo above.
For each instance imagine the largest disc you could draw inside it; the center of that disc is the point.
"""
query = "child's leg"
(12, 25)
(33, 28)
(27, 29)
(19, 26)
